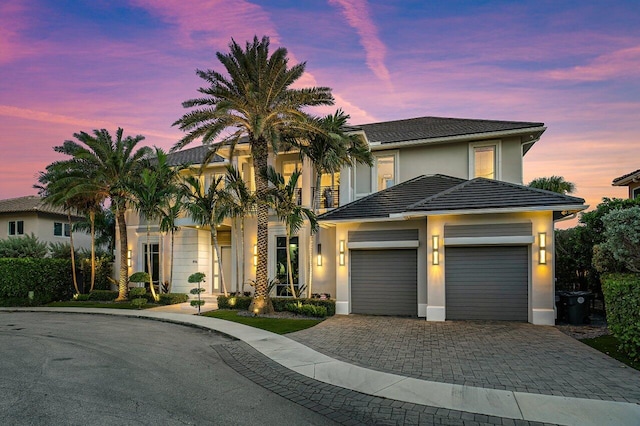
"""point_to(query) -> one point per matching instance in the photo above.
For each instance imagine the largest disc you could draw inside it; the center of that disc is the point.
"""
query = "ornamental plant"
(198, 278)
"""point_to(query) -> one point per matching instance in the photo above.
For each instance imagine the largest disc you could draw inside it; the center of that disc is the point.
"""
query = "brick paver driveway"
(499, 355)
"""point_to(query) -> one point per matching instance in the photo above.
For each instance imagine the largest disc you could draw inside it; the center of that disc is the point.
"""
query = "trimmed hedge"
(279, 303)
(103, 295)
(173, 298)
(49, 279)
(306, 309)
(622, 301)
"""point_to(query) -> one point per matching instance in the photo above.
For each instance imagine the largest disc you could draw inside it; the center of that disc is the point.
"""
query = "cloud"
(13, 22)
(620, 63)
(356, 12)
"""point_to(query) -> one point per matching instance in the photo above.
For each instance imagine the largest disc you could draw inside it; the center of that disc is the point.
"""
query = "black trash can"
(575, 306)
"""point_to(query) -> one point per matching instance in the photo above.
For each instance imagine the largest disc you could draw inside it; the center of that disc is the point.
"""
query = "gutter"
(493, 210)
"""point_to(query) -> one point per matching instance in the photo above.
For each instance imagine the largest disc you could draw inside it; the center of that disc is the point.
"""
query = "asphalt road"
(75, 369)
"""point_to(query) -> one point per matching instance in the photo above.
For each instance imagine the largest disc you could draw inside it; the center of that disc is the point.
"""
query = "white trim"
(543, 316)
(435, 313)
(383, 244)
(342, 308)
(497, 160)
(375, 146)
(485, 241)
(390, 218)
(492, 210)
(422, 310)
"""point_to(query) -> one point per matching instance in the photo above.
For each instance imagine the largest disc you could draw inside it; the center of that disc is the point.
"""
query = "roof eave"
(627, 180)
(376, 146)
(568, 208)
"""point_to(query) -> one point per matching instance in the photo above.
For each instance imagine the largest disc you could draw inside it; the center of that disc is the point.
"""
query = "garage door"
(489, 283)
(384, 282)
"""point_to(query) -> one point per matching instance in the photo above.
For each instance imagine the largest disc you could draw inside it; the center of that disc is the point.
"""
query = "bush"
(622, 298)
(173, 298)
(49, 279)
(103, 295)
(306, 309)
(234, 302)
(279, 303)
(81, 297)
(23, 247)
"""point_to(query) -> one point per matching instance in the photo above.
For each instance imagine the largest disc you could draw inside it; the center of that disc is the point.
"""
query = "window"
(58, 228)
(329, 191)
(484, 160)
(155, 261)
(385, 172)
(636, 192)
(288, 168)
(282, 275)
(16, 227)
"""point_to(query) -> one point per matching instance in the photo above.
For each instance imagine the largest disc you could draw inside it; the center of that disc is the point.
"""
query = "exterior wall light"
(129, 258)
(255, 255)
(319, 259)
(342, 252)
(435, 249)
(542, 245)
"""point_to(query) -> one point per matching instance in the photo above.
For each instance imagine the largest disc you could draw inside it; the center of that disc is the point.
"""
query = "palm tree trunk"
(315, 206)
(92, 218)
(242, 264)
(124, 279)
(214, 236)
(236, 238)
(261, 302)
(149, 268)
(73, 255)
(289, 268)
(171, 270)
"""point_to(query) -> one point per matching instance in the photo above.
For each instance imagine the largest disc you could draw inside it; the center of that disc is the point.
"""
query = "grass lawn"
(110, 305)
(609, 345)
(274, 325)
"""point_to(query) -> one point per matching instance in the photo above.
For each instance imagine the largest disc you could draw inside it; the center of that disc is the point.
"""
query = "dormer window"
(484, 160)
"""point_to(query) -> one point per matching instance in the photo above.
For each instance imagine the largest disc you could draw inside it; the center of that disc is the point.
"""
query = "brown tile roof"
(30, 203)
(617, 181)
(424, 128)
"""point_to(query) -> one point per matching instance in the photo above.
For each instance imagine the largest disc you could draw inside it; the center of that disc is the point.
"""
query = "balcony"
(329, 196)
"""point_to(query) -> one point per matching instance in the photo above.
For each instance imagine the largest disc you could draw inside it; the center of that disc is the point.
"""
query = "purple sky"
(67, 66)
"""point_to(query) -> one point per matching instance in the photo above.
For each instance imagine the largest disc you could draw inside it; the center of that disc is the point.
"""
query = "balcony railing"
(328, 196)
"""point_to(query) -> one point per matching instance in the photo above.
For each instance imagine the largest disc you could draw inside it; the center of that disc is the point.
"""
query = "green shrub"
(27, 246)
(173, 298)
(306, 309)
(622, 301)
(234, 302)
(103, 295)
(81, 297)
(49, 279)
(137, 292)
(139, 302)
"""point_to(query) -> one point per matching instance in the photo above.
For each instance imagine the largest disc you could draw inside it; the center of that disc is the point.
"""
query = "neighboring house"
(630, 180)
(440, 227)
(30, 215)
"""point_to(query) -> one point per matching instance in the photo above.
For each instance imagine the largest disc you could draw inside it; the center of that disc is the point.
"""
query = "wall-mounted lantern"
(542, 247)
(319, 257)
(255, 255)
(435, 249)
(342, 246)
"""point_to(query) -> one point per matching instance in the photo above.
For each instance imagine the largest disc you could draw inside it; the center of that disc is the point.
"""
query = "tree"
(241, 203)
(329, 151)
(256, 99)
(168, 216)
(553, 184)
(284, 202)
(621, 240)
(110, 166)
(156, 185)
(208, 208)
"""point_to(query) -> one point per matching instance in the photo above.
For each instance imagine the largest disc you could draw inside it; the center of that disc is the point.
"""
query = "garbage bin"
(575, 306)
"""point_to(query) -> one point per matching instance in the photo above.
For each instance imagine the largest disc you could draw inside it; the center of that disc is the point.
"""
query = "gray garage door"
(384, 282)
(489, 283)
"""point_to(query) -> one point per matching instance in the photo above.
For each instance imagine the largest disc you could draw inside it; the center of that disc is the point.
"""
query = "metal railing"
(328, 196)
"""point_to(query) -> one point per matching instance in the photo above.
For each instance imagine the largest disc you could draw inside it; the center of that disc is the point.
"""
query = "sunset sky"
(67, 66)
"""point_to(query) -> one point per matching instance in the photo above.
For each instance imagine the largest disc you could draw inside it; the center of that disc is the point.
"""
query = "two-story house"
(30, 215)
(631, 181)
(439, 227)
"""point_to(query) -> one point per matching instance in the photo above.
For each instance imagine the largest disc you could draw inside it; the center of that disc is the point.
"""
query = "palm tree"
(329, 151)
(110, 166)
(258, 102)
(283, 198)
(242, 203)
(156, 184)
(553, 184)
(208, 208)
(168, 216)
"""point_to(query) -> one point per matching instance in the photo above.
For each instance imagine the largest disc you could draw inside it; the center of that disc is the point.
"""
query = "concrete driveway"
(511, 356)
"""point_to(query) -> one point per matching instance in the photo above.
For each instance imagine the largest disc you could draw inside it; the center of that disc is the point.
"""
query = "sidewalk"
(306, 361)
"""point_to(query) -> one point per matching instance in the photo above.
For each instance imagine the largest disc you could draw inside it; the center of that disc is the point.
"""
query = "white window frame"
(374, 172)
(497, 144)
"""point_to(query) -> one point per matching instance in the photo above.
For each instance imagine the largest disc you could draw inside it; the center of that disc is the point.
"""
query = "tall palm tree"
(283, 198)
(156, 185)
(258, 102)
(168, 216)
(208, 207)
(110, 166)
(329, 151)
(242, 203)
(553, 184)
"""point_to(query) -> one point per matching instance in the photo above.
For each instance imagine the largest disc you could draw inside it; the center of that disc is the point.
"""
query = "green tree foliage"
(25, 246)
(622, 297)
(621, 240)
(48, 279)
(255, 100)
(553, 184)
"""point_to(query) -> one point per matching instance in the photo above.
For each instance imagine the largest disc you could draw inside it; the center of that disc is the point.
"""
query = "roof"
(439, 193)
(30, 203)
(192, 156)
(626, 179)
(424, 128)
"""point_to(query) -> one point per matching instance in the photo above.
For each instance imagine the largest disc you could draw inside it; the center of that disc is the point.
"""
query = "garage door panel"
(384, 282)
(489, 283)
